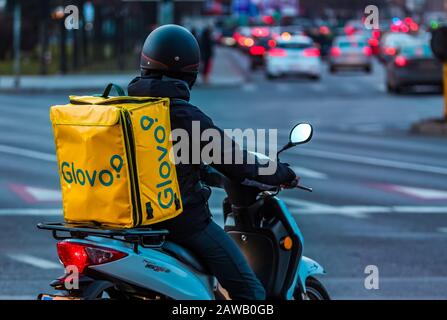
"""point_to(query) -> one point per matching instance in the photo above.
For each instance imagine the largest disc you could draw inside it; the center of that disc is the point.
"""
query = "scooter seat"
(185, 256)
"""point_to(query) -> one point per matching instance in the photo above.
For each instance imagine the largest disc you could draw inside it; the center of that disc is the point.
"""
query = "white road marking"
(381, 87)
(28, 153)
(44, 195)
(303, 207)
(371, 161)
(308, 173)
(31, 212)
(34, 261)
(318, 87)
(442, 230)
(249, 87)
(283, 87)
(359, 211)
(350, 88)
(370, 127)
(5, 297)
(421, 193)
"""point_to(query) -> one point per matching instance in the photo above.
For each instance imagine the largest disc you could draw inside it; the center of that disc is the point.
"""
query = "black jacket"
(196, 215)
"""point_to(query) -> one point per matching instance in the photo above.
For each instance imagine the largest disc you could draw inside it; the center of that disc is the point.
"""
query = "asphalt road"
(380, 193)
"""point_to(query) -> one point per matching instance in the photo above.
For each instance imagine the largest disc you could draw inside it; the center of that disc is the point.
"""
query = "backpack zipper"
(117, 102)
(130, 150)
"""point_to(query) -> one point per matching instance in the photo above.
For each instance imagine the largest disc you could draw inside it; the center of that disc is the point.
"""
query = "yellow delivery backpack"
(114, 160)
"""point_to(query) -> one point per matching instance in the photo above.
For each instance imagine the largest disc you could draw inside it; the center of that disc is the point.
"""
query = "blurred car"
(413, 65)
(373, 38)
(350, 52)
(259, 45)
(243, 39)
(391, 43)
(294, 55)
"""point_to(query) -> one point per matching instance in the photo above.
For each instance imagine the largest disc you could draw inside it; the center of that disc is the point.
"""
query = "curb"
(98, 89)
(432, 127)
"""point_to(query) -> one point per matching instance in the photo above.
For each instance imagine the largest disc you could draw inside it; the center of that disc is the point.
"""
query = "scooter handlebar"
(309, 189)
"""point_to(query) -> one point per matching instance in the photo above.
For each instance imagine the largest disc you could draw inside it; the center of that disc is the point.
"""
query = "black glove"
(293, 180)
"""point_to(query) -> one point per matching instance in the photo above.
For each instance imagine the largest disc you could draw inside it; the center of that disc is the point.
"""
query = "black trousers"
(225, 260)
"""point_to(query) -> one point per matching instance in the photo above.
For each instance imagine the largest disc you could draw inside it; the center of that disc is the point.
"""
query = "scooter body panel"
(289, 217)
(307, 268)
(154, 270)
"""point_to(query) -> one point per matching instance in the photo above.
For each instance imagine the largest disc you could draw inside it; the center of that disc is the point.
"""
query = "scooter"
(141, 264)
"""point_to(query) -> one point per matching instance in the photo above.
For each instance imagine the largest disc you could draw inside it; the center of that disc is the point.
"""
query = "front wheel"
(314, 291)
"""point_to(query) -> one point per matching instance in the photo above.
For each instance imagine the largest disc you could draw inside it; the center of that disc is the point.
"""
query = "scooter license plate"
(55, 297)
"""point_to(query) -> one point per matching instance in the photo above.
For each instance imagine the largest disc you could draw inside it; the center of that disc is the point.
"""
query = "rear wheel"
(368, 69)
(314, 291)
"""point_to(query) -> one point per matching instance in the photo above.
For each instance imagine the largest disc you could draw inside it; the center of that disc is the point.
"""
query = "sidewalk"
(224, 73)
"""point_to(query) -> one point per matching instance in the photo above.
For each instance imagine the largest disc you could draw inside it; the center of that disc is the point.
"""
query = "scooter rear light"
(84, 255)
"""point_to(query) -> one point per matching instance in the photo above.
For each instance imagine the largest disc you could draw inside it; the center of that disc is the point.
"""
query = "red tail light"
(248, 42)
(373, 42)
(400, 61)
(335, 51)
(272, 43)
(367, 51)
(390, 51)
(260, 32)
(257, 50)
(404, 28)
(311, 52)
(84, 255)
(277, 52)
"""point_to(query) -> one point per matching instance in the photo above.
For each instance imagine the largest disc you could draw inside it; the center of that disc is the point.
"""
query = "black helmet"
(171, 49)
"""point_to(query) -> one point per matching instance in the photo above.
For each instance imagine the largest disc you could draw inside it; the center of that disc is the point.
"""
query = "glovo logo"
(165, 195)
(72, 174)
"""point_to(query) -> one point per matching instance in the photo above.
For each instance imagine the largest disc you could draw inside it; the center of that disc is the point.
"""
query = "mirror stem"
(287, 146)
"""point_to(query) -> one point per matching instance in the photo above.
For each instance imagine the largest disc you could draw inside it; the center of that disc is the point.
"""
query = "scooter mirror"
(301, 133)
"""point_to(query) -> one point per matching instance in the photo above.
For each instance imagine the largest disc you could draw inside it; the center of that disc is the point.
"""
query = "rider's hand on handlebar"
(292, 184)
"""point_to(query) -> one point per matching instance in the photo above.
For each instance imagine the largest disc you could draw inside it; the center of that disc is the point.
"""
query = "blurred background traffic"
(366, 80)
(282, 37)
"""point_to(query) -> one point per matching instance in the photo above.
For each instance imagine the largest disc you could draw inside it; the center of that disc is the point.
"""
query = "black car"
(413, 65)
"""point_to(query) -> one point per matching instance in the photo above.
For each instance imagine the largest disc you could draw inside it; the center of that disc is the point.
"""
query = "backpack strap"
(178, 102)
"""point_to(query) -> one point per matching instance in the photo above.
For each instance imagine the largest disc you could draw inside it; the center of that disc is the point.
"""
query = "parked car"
(413, 65)
(294, 55)
(350, 52)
